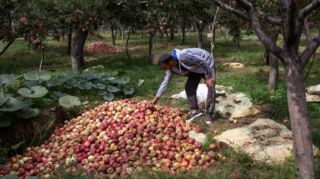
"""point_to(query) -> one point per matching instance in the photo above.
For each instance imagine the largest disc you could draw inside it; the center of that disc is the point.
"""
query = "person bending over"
(194, 63)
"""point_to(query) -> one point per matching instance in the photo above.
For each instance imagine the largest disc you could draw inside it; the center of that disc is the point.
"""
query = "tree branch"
(6, 47)
(291, 22)
(311, 48)
(270, 19)
(284, 5)
(300, 22)
(266, 41)
(193, 16)
(307, 29)
(14, 11)
(309, 8)
(231, 10)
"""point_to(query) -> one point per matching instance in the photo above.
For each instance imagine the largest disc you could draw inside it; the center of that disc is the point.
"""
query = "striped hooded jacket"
(189, 60)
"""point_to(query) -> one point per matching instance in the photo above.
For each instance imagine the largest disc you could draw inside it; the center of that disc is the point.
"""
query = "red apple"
(234, 3)
(311, 25)
(272, 30)
(23, 20)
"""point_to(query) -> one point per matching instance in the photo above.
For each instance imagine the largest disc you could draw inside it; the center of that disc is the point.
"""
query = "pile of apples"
(116, 138)
(97, 47)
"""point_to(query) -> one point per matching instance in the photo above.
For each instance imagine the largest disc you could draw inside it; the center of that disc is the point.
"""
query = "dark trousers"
(191, 90)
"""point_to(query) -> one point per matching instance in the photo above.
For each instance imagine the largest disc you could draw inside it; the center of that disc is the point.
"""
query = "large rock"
(265, 140)
(235, 105)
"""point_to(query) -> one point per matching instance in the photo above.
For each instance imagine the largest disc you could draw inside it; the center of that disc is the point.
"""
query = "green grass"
(251, 80)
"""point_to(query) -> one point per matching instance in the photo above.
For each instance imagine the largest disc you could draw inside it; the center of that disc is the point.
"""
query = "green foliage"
(36, 96)
(37, 76)
(90, 80)
(12, 104)
(9, 176)
(7, 151)
(69, 101)
(6, 80)
(34, 92)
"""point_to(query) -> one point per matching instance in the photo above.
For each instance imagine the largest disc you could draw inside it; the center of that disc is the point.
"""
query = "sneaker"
(194, 115)
(208, 119)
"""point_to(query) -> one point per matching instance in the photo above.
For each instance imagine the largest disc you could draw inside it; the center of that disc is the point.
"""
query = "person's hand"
(154, 101)
(210, 82)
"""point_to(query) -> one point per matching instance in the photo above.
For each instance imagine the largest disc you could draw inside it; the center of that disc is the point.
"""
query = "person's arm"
(212, 80)
(164, 85)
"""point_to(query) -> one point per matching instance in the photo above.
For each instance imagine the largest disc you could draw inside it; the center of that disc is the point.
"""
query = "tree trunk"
(78, 41)
(63, 35)
(200, 37)
(120, 33)
(274, 67)
(213, 31)
(127, 45)
(29, 42)
(133, 31)
(150, 46)
(115, 35)
(42, 60)
(302, 144)
(167, 35)
(34, 36)
(266, 57)
(69, 40)
(183, 34)
(112, 35)
(171, 33)
(123, 31)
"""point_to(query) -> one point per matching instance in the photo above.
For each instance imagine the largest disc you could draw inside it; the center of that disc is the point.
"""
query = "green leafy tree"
(293, 16)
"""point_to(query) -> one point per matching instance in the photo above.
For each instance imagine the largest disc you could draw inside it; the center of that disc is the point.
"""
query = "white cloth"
(202, 93)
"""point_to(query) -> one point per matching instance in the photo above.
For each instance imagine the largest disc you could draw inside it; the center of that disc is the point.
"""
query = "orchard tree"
(111, 14)
(85, 17)
(293, 14)
(172, 17)
(153, 17)
(9, 17)
(183, 18)
(41, 20)
(201, 14)
(28, 19)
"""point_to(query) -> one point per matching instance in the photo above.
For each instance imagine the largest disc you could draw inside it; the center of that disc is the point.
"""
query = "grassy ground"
(251, 80)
